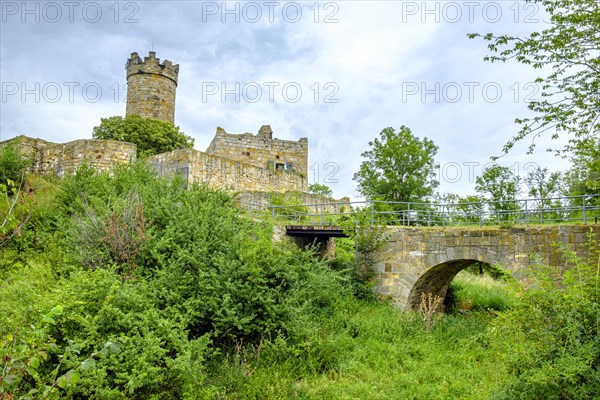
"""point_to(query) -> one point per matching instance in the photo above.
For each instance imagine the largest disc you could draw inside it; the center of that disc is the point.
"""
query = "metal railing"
(571, 209)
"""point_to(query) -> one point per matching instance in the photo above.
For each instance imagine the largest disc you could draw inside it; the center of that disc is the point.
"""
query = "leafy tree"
(318, 188)
(398, 167)
(544, 185)
(569, 51)
(584, 177)
(459, 209)
(501, 187)
(470, 207)
(150, 135)
(541, 183)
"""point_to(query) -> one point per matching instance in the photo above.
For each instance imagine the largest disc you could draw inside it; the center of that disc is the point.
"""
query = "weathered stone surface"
(222, 173)
(151, 87)
(315, 203)
(195, 166)
(262, 150)
(242, 163)
(427, 259)
(65, 158)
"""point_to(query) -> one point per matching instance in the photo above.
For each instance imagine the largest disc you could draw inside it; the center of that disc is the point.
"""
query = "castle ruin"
(243, 162)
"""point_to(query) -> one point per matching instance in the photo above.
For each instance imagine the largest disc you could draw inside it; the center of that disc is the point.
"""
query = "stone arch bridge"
(424, 260)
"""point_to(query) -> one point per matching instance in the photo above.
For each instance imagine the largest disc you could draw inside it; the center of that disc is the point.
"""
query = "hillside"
(131, 287)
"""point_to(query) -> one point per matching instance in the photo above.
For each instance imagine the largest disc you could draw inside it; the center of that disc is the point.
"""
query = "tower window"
(277, 157)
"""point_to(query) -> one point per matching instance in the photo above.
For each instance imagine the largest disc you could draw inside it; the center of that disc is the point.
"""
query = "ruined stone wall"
(222, 173)
(192, 165)
(262, 150)
(151, 87)
(315, 203)
(65, 158)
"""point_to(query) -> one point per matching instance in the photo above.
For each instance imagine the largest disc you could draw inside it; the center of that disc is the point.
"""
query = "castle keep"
(243, 162)
(151, 87)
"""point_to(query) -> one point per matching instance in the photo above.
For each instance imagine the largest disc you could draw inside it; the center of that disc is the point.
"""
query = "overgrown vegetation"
(16, 201)
(550, 340)
(131, 287)
(474, 292)
(13, 165)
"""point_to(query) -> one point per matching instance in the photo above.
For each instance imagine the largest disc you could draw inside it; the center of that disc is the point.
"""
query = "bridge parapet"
(573, 209)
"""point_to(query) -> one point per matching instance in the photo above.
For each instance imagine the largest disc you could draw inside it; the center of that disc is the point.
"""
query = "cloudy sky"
(334, 72)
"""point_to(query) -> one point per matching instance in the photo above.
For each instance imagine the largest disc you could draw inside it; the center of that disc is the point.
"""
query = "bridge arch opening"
(436, 280)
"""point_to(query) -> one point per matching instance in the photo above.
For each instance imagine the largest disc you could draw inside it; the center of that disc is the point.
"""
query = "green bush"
(550, 341)
(12, 164)
(173, 275)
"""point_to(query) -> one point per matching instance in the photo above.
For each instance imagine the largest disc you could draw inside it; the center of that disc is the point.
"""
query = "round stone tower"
(151, 87)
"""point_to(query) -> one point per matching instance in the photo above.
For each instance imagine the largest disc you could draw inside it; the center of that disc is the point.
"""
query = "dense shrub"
(12, 164)
(551, 340)
(173, 275)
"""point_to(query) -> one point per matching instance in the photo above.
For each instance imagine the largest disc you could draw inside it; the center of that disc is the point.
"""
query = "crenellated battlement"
(151, 87)
(151, 65)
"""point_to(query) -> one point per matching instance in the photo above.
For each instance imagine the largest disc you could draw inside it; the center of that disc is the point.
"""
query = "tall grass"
(367, 351)
(473, 292)
(371, 350)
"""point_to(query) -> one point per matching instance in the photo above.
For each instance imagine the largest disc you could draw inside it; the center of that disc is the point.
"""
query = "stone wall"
(151, 87)
(262, 150)
(65, 158)
(222, 173)
(316, 202)
(192, 165)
